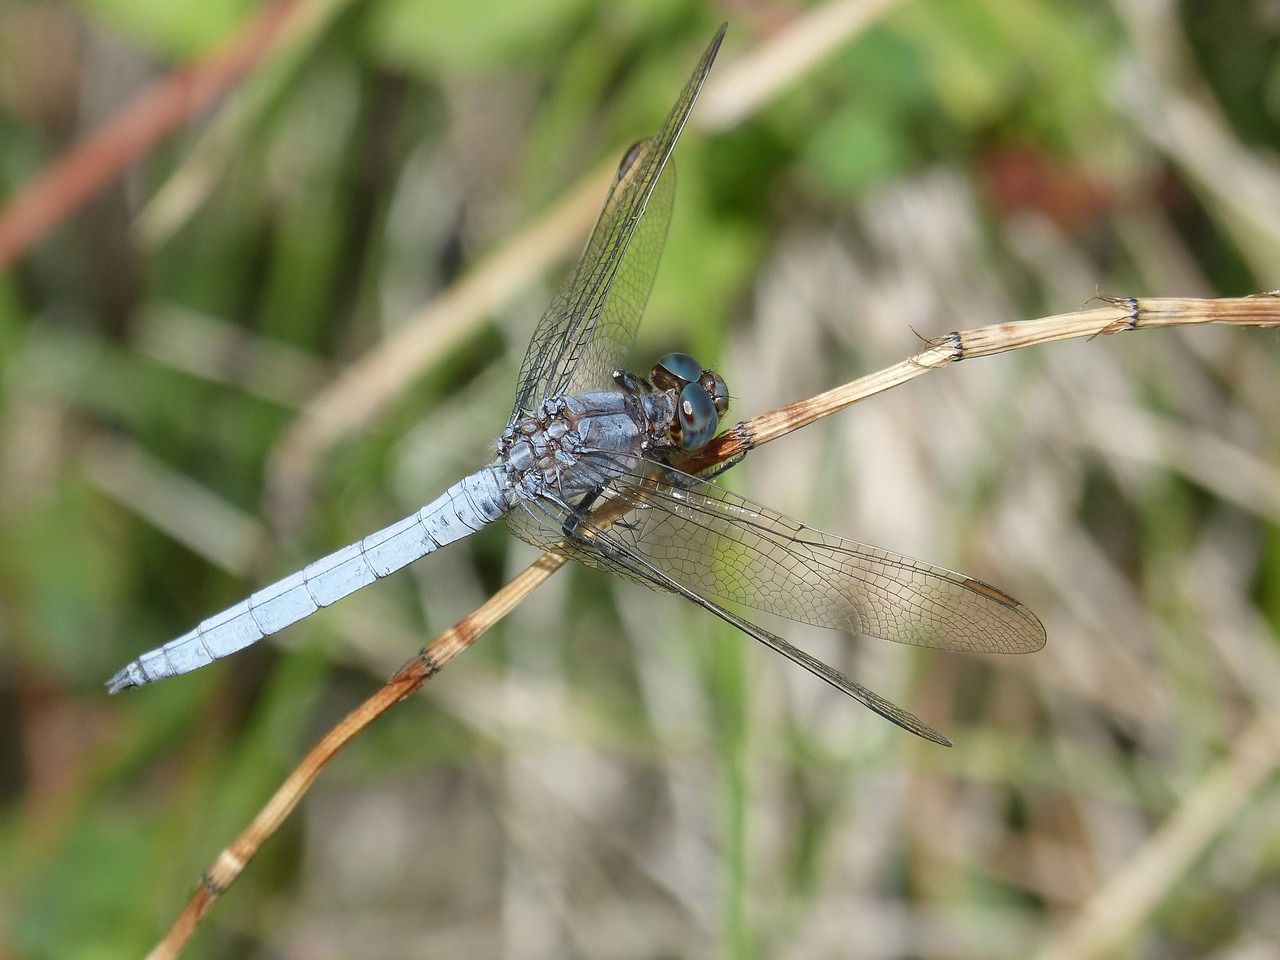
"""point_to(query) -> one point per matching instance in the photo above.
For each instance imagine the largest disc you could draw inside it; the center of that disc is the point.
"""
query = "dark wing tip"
(1034, 637)
(715, 41)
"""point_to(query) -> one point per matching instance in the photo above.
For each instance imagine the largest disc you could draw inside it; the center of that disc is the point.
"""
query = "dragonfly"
(587, 467)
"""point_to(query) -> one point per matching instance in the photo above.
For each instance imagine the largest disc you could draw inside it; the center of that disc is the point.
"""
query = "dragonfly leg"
(632, 383)
(573, 522)
(577, 525)
(720, 468)
(684, 481)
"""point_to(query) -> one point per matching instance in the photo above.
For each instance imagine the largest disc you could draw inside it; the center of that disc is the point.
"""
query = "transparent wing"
(589, 327)
(731, 549)
(706, 544)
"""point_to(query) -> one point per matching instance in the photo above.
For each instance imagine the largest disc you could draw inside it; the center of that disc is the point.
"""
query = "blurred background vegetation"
(611, 773)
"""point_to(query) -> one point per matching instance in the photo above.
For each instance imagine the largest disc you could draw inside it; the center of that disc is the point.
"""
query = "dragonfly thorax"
(575, 444)
(545, 454)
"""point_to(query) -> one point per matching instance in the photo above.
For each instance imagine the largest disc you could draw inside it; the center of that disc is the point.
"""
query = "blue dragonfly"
(587, 467)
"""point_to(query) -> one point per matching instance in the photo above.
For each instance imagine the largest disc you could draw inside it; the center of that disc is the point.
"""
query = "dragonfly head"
(702, 398)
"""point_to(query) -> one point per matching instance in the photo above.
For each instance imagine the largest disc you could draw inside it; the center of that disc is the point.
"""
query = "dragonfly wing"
(609, 547)
(589, 327)
(731, 549)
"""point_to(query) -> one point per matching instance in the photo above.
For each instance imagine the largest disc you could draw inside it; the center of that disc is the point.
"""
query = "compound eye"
(674, 371)
(696, 417)
(714, 384)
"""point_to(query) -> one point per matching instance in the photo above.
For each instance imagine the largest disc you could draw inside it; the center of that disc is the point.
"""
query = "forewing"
(731, 549)
(589, 327)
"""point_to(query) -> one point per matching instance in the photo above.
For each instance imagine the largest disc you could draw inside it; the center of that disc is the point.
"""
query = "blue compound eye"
(674, 371)
(696, 416)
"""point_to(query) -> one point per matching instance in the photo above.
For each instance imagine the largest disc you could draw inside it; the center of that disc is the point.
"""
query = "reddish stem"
(103, 155)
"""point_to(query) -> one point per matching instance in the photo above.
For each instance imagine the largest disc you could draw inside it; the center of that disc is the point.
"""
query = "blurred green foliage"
(600, 740)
